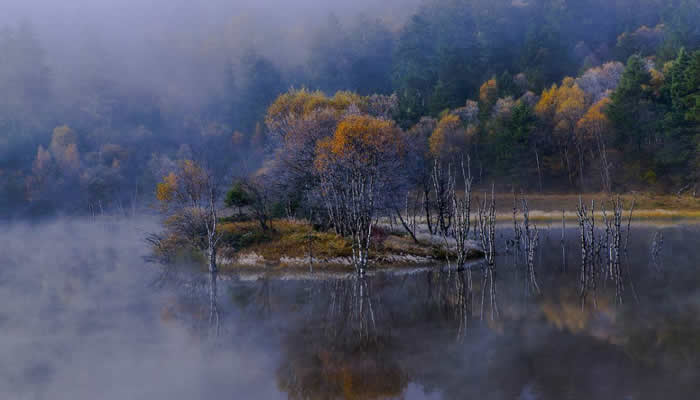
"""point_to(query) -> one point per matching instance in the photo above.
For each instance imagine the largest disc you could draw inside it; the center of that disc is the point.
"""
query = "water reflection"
(80, 322)
(375, 336)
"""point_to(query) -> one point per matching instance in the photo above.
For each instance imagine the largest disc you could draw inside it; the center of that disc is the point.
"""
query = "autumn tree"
(488, 95)
(560, 107)
(188, 198)
(357, 168)
(297, 120)
(594, 127)
(64, 149)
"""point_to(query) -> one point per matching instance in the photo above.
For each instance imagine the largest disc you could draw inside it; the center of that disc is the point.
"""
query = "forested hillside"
(539, 95)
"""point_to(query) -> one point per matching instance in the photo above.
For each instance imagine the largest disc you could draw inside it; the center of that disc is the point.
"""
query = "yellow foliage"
(570, 100)
(444, 139)
(344, 99)
(301, 103)
(568, 82)
(547, 104)
(165, 190)
(62, 137)
(359, 138)
(594, 122)
(562, 106)
(488, 92)
(64, 149)
(657, 80)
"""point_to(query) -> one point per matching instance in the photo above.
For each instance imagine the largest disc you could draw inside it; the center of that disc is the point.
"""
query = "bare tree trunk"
(539, 170)
(426, 206)
(563, 239)
(583, 282)
(607, 185)
(405, 226)
(461, 210)
(487, 230)
(531, 243)
(580, 166)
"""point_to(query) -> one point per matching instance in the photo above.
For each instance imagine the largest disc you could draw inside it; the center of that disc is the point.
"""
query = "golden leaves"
(594, 122)
(165, 190)
(450, 137)
(301, 103)
(488, 92)
(359, 139)
(562, 106)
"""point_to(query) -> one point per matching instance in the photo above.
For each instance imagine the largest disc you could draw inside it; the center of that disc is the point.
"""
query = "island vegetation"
(378, 135)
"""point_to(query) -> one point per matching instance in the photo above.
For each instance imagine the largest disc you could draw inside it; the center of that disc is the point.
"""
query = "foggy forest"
(419, 199)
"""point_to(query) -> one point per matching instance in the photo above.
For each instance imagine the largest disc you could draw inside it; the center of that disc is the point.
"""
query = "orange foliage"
(360, 140)
(450, 137)
(488, 92)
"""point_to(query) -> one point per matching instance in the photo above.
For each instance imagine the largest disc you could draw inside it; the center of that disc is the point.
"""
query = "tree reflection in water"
(377, 336)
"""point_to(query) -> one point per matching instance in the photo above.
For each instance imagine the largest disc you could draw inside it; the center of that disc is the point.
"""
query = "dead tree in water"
(517, 231)
(657, 243)
(563, 239)
(464, 289)
(532, 237)
(487, 233)
(443, 187)
(615, 269)
(586, 234)
(461, 211)
(188, 201)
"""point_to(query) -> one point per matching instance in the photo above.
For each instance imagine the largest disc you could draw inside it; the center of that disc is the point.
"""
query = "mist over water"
(82, 319)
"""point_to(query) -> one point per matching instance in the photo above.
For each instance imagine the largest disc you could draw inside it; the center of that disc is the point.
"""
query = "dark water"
(81, 319)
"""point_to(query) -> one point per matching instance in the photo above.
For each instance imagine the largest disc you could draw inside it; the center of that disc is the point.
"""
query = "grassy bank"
(290, 243)
(549, 206)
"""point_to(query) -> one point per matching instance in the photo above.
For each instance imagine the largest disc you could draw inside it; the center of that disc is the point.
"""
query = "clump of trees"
(494, 80)
(189, 200)
(355, 183)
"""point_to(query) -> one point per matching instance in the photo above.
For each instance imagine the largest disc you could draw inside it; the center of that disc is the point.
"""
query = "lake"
(84, 316)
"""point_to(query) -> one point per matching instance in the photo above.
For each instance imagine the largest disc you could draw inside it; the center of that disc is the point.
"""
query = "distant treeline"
(541, 95)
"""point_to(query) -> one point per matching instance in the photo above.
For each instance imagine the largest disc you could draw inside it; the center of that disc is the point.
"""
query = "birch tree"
(358, 168)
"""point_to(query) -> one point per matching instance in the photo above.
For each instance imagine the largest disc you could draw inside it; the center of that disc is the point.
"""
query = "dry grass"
(285, 239)
(404, 245)
(290, 239)
(549, 206)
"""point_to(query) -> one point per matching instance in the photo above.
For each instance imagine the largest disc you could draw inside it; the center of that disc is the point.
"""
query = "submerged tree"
(188, 199)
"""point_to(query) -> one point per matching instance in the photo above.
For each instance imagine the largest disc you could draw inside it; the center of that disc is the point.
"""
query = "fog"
(83, 319)
(80, 320)
(179, 47)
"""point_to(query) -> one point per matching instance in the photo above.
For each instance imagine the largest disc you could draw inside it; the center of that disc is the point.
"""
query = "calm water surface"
(84, 317)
